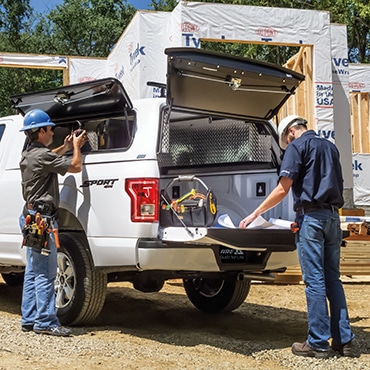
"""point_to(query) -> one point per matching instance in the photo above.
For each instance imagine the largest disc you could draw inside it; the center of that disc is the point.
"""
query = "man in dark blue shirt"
(311, 167)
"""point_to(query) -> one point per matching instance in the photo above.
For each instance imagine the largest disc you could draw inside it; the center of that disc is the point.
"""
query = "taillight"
(144, 195)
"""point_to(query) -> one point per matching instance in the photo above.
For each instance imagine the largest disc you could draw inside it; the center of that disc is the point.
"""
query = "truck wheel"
(13, 278)
(217, 295)
(80, 289)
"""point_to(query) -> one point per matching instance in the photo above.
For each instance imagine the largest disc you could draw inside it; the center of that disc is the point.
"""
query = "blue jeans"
(318, 243)
(38, 299)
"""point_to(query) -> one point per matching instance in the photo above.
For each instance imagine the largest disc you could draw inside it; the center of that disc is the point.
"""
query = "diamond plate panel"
(206, 141)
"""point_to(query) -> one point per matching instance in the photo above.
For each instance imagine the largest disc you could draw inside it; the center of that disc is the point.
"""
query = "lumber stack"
(355, 256)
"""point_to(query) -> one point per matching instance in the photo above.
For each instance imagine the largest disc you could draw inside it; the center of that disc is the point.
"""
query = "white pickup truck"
(139, 210)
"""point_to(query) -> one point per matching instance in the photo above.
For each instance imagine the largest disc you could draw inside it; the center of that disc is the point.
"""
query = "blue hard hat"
(35, 119)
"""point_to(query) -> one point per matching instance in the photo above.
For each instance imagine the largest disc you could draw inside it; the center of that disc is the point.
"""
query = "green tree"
(358, 25)
(87, 28)
(76, 27)
(164, 5)
(13, 21)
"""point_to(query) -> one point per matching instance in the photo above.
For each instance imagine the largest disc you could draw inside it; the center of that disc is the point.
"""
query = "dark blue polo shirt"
(313, 164)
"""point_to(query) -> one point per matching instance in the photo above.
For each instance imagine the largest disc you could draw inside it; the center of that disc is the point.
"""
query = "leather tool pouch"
(36, 231)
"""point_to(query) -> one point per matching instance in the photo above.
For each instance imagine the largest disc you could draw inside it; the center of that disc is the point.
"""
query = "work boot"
(27, 327)
(58, 331)
(303, 349)
(343, 349)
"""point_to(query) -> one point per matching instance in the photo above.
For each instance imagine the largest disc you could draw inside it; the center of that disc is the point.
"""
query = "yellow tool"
(187, 195)
(212, 205)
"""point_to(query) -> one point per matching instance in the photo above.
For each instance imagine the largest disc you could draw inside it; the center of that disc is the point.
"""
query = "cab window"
(111, 133)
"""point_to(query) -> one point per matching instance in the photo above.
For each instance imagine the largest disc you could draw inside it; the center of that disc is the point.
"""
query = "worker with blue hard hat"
(40, 167)
(35, 119)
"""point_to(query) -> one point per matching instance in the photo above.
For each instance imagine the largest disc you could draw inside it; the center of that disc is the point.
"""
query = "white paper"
(281, 224)
(259, 223)
(272, 223)
(225, 221)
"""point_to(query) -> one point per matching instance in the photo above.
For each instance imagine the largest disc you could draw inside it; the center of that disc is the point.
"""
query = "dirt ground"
(163, 330)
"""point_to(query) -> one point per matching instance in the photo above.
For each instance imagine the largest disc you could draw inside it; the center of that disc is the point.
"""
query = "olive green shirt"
(39, 170)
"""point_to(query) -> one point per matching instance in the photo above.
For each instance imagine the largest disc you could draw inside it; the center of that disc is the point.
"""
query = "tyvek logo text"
(327, 134)
(135, 56)
(119, 75)
(357, 166)
(191, 40)
(341, 66)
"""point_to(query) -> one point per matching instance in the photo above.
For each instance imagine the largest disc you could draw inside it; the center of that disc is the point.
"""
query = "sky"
(44, 6)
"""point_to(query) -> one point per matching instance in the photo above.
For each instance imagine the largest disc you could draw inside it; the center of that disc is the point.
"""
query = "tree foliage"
(76, 28)
(14, 25)
(13, 21)
(88, 28)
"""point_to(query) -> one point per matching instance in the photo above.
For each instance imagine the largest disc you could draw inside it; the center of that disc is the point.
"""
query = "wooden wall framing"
(360, 114)
(64, 69)
(302, 102)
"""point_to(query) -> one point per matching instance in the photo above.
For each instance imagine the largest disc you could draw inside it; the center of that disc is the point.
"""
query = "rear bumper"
(218, 250)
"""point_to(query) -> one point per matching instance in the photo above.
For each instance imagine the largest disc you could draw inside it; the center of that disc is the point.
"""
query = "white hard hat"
(285, 123)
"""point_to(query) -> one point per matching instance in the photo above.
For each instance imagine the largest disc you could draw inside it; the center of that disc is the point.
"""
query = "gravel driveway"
(164, 331)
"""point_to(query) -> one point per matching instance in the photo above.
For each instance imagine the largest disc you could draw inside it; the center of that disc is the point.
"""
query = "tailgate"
(244, 239)
(264, 240)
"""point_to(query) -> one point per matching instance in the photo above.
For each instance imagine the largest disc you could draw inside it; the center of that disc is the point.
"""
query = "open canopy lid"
(216, 83)
(86, 100)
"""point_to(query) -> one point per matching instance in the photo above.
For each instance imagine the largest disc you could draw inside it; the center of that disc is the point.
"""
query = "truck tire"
(213, 295)
(13, 278)
(80, 288)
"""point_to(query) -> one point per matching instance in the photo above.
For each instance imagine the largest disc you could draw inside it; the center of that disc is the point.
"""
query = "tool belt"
(42, 208)
(36, 232)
